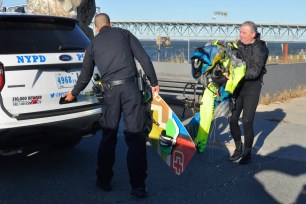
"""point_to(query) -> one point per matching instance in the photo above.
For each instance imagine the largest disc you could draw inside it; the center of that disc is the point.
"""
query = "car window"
(32, 36)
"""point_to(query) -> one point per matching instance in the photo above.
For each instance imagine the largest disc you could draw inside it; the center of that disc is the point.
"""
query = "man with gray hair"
(246, 97)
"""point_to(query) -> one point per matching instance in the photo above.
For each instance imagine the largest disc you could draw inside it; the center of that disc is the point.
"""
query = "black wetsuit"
(113, 51)
(248, 92)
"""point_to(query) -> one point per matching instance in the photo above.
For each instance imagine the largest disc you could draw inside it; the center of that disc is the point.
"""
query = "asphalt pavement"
(277, 173)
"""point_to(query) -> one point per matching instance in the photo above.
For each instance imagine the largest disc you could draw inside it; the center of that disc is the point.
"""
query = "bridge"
(211, 30)
(203, 30)
(14, 8)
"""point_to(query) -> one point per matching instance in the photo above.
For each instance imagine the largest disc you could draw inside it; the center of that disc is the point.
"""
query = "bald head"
(101, 20)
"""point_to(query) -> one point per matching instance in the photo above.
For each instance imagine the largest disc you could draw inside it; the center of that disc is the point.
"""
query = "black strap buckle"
(166, 141)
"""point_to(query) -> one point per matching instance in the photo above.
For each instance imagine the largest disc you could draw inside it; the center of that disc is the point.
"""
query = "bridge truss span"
(211, 30)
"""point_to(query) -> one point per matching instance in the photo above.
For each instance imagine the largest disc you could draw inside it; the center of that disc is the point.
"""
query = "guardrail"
(288, 60)
(279, 77)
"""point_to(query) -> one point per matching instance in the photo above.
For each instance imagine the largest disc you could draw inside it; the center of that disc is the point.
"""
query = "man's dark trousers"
(247, 102)
(125, 98)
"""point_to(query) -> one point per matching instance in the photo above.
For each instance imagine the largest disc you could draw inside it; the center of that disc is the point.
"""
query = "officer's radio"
(98, 87)
(144, 87)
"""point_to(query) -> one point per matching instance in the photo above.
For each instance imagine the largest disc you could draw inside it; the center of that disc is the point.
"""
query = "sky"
(238, 11)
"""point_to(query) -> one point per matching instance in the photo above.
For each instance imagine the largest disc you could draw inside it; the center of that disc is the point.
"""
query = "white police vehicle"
(41, 58)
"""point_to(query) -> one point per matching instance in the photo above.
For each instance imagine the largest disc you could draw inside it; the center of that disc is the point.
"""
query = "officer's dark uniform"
(113, 51)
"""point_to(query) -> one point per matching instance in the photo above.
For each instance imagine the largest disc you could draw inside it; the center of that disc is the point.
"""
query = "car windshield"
(35, 35)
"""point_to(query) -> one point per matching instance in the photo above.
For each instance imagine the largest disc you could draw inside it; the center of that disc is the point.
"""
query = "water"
(179, 49)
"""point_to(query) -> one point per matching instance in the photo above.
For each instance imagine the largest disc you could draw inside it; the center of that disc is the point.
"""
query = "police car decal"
(57, 94)
(26, 100)
(38, 59)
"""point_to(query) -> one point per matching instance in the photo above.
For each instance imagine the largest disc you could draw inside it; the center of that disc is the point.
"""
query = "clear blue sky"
(259, 11)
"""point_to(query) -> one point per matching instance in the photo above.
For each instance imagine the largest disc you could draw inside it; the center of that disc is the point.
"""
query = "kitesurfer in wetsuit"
(255, 53)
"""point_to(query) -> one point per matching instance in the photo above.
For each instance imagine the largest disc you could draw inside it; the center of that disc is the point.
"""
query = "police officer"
(113, 50)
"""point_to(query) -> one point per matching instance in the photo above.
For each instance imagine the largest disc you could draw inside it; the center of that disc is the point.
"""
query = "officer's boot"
(237, 153)
(245, 156)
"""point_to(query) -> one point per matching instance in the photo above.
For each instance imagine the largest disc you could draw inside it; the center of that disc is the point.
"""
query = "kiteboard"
(168, 136)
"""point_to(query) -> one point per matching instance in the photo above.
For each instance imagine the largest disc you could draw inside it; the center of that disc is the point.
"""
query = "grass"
(283, 96)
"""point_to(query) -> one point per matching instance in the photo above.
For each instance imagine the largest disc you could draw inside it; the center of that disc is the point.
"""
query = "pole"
(188, 50)
(158, 56)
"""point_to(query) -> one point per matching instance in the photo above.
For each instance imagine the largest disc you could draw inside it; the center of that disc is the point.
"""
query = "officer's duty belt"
(122, 81)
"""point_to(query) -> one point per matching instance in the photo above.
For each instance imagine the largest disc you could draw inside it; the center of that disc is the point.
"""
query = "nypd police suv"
(41, 58)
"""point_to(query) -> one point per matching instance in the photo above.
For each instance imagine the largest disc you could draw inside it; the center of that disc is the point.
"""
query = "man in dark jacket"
(255, 53)
(113, 50)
